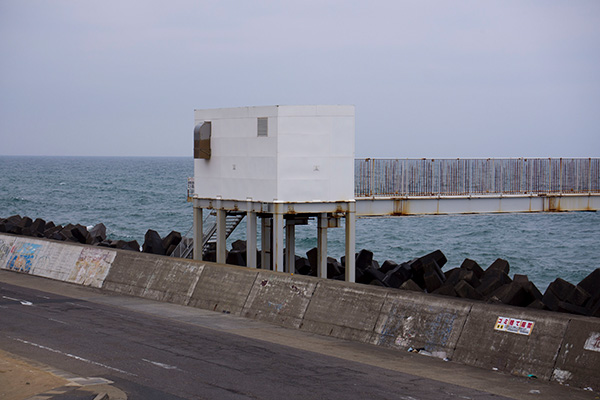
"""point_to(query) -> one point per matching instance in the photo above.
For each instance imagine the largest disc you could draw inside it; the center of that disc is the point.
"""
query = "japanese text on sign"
(514, 325)
(593, 342)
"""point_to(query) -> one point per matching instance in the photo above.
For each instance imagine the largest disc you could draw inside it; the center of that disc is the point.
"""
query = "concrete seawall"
(548, 345)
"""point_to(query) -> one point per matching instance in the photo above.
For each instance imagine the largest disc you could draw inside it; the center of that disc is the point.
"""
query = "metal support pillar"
(277, 240)
(198, 234)
(251, 239)
(290, 246)
(351, 243)
(322, 246)
(265, 243)
(221, 236)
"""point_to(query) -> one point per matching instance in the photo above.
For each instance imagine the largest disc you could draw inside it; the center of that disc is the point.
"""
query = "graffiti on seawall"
(92, 266)
(22, 256)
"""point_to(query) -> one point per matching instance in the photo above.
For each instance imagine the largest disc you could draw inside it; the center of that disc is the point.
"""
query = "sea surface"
(132, 195)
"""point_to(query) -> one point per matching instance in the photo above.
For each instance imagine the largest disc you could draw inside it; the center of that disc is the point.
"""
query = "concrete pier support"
(322, 245)
(251, 239)
(198, 233)
(290, 246)
(278, 223)
(265, 242)
(221, 236)
(277, 248)
(351, 243)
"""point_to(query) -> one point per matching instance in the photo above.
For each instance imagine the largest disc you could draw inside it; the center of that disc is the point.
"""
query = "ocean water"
(132, 195)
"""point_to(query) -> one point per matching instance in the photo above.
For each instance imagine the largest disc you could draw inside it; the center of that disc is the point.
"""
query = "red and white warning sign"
(514, 325)
(593, 342)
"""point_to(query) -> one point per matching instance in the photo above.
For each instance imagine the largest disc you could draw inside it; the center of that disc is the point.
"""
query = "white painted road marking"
(73, 356)
(23, 302)
(165, 366)
(60, 322)
(79, 305)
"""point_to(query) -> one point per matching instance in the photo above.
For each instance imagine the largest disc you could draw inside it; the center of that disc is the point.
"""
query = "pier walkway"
(468, 185)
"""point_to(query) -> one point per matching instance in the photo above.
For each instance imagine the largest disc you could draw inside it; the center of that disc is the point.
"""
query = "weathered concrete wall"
(482, 345)
(344, 311)
(280, 298)
(153, 277)
(578, 362)
(432, 322)
(223, 289)
(549, 345)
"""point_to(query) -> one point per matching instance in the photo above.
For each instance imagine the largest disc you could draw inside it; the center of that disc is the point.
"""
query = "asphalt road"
(155, 351)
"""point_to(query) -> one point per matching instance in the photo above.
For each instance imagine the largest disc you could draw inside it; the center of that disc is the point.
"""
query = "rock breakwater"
(95, 236)
(423, 274)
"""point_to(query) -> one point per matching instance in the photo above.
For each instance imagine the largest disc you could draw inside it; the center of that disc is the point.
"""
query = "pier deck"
(470, 186)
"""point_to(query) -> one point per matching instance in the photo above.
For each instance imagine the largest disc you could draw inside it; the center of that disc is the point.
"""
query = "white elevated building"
(283, 164)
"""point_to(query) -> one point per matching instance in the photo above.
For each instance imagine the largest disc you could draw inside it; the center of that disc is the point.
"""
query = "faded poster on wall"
(6, 244)
(92, 267)
(22, 256)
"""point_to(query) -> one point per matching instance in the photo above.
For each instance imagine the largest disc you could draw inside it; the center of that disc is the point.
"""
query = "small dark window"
(263, 127)
(202, 133)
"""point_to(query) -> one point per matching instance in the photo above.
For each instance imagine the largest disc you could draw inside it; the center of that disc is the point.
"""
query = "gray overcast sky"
(428, 78)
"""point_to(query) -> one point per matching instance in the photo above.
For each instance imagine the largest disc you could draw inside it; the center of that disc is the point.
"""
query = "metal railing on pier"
(466, 176)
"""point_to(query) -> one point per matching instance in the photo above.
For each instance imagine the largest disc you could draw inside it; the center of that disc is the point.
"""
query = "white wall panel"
(308, 154)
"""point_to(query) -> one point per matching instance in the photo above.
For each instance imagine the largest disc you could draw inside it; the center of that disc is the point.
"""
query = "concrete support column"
(251, 239)
(265, 242)
(351, 243)
(221, 236)
(198, 233)
(290, 246)
(278, 239)
(322, 246)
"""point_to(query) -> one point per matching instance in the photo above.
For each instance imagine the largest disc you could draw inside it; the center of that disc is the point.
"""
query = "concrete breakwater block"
(170, 242)
(236, 257)
(98, 232)
(411, 285)
(460, 274)
(397, 275)
(421, 321)
(153, 243)
(513, 294)
(492, 279)
(464, 290)
(16, 225)
(81, 234)
(302, 266)
(471, 265)
(223, 289)
(519, 341)
(335, 269)
(582, 299)
(499, 265)
(344, 310)
(132, 245)
(279, 298)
